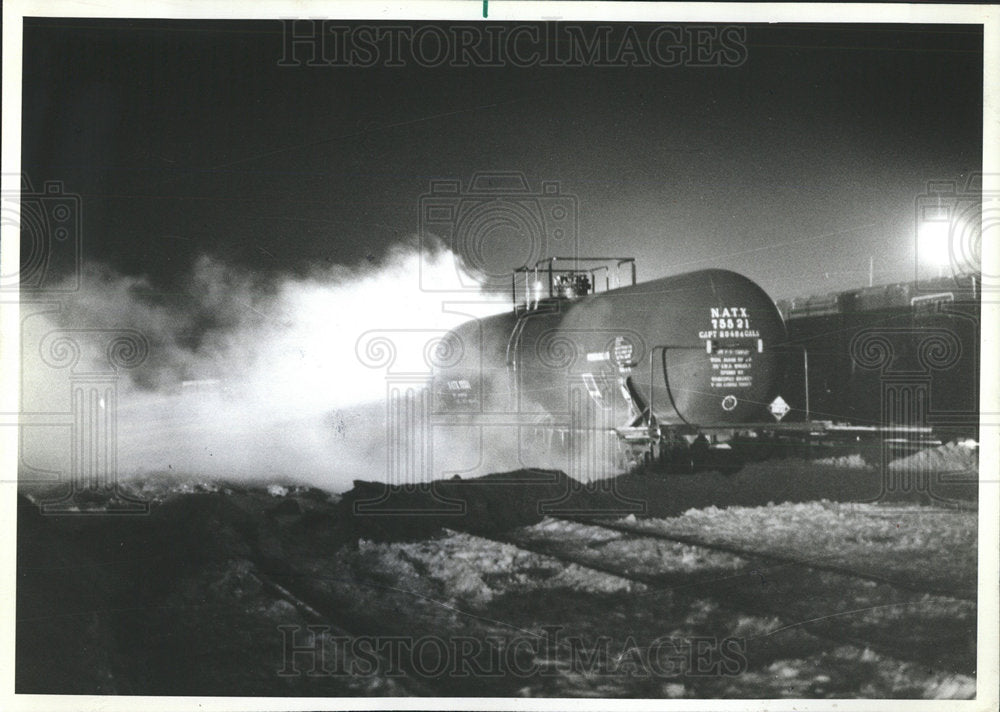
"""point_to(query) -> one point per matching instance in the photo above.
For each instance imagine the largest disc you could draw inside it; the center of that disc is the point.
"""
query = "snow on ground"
(636, 557)
(464, 588)
(956, 457)
(936, 547)
(476, 588)
(853, 461)
(470, 570)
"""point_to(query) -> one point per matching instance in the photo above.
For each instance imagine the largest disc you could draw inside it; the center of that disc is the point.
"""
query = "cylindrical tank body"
(701, 348)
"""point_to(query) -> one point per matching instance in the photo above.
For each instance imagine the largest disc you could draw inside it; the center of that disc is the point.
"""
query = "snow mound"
(950, 458)
(853, 461)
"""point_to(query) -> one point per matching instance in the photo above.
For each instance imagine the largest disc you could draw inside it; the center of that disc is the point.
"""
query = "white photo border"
(14, 11)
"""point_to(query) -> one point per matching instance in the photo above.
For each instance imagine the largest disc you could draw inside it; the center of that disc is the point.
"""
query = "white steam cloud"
(245, 377)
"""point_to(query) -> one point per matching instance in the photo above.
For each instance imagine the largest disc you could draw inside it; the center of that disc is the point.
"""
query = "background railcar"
(904, 354)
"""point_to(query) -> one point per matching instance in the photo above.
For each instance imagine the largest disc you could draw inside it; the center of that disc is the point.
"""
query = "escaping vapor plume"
(246, 377)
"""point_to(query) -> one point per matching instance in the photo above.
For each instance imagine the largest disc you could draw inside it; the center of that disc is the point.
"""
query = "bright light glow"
(934, 243)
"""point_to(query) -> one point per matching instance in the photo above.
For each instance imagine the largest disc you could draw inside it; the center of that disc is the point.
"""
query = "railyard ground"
(213, 592)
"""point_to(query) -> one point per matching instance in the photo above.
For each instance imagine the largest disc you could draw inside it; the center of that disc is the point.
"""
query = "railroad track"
(745, 589)
(298, 588)
(292, 586)
(773, 559)
(739, 590)
(793, 593)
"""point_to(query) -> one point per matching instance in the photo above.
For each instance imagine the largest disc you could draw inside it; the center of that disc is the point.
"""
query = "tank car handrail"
(548, 265)
(546, 260)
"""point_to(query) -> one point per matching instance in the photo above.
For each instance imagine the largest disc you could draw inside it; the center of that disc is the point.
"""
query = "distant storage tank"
(698, 349)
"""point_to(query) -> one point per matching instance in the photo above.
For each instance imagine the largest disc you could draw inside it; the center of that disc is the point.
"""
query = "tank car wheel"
(699, 452)
(731, 464)
(753, 449)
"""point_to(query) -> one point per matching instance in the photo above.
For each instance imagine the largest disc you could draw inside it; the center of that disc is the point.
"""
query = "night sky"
(186, 138)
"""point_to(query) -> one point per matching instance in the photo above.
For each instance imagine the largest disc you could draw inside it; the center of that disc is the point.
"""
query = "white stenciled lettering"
(731, 368)
(732, 318)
